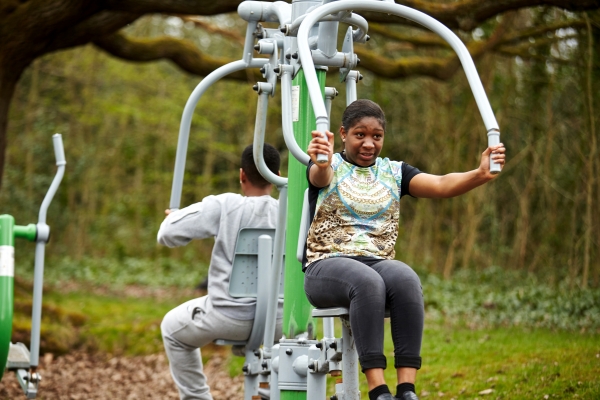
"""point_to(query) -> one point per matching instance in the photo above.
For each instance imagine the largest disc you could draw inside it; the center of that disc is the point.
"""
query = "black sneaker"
(386, 396)
(408, 396)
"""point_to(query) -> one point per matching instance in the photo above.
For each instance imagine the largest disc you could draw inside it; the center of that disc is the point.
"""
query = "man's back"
(221, 217)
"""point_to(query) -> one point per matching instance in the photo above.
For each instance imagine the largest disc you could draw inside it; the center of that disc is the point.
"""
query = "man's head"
(249, 170)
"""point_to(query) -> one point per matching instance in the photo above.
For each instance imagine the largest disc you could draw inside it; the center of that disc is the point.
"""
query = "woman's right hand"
(318, 145)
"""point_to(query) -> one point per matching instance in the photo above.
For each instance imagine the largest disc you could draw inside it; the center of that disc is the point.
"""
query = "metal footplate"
(18, 361)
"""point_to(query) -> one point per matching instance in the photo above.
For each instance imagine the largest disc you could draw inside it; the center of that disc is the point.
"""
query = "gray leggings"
(367, 287)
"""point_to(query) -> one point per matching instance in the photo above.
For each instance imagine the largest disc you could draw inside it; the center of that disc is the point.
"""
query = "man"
(200, 321)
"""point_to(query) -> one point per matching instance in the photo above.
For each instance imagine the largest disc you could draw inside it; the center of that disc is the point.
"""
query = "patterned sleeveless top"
(358, 213)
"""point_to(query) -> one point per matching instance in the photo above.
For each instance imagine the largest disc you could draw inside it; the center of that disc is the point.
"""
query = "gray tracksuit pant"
(189, 327)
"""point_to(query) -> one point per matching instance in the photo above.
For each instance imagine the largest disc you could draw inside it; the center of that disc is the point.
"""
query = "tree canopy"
(120, 114)
(30, 29)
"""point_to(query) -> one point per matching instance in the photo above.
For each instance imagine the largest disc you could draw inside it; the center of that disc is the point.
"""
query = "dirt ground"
(78, 376)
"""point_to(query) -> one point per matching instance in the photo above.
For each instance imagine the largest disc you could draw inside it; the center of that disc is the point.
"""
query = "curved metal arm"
(387, 7)
(259, 141)
(59, 153)
(286, 116)
(186, 120)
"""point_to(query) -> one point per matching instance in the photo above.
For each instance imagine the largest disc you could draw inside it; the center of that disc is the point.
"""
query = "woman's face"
(363, 141)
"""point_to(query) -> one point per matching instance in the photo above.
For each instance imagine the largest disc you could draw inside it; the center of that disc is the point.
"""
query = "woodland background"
(120, 122)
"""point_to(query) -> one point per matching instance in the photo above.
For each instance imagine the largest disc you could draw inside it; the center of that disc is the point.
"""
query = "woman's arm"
(320, 174)
(455, 184)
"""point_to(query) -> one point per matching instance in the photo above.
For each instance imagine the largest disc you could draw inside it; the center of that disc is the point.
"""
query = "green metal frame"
(296, 308)
(8, 232)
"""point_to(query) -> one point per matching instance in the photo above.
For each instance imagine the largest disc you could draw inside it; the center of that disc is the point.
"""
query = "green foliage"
(117, 274)
(120, 123)
(496, 297)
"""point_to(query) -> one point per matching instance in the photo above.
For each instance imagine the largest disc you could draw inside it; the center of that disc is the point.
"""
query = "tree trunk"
(9, 76)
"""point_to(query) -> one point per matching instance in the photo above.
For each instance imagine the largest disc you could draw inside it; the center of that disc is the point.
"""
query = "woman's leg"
(405, 302)
(344, 282)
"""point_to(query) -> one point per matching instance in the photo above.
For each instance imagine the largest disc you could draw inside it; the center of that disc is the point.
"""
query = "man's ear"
(243, 177)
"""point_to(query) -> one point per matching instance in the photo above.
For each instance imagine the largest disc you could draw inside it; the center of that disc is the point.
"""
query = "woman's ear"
(343, 133)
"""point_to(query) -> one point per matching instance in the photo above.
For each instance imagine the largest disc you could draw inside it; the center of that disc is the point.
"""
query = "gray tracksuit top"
(221, 217)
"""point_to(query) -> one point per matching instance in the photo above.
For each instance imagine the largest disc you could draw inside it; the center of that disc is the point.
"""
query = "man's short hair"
(272, 159)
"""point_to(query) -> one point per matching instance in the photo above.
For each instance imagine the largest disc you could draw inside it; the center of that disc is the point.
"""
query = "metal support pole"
(351, 79)
(349, 363)
(42, 238)
(316, 384)
(296, 309)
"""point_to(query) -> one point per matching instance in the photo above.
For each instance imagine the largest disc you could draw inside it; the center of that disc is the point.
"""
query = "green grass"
(516, 363)
(118, 325)
(499, 330)
(116, 274)
(121, 325)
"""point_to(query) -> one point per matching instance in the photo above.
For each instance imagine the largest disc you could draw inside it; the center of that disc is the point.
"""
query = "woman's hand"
(497, 154)
(320, 174)
(318, 145)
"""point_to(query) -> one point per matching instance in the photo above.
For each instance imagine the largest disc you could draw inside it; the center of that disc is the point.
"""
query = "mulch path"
(81, 375)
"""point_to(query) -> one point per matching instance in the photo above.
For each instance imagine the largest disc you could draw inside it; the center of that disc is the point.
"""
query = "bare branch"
(210, 28)
(424, 40)
(541, 31)
(526, 55)
(181, 52)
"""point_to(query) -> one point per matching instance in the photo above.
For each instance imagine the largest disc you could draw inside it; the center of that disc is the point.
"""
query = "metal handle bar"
(188, 113)
(481, 99)
(59, 154)
(286, 116)
(259, 141)
(43, 233)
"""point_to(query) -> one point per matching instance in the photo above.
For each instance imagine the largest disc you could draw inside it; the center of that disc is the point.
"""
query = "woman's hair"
(360, 109)
(272, 159)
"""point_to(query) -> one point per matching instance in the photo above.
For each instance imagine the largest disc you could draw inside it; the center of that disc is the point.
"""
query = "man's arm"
(198, 221)
(455, 184)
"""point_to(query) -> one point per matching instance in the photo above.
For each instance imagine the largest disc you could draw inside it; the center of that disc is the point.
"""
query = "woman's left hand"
(497, 154)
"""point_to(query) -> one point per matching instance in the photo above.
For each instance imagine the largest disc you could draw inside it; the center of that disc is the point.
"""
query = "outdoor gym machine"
(299, 53)
(16, 357)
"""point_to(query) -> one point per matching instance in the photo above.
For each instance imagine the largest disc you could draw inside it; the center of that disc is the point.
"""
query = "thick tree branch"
(95, 27)
(511, 41)
(181, 52)
(186, 7)
(421, 40)
(468, 14)
(210, 28)
(436, 67)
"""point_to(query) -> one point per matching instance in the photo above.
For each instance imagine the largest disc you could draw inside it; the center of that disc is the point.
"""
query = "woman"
(355, 200)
